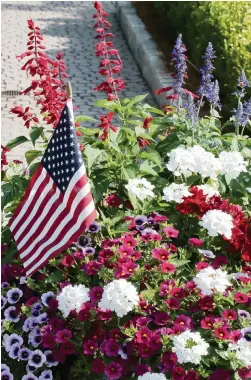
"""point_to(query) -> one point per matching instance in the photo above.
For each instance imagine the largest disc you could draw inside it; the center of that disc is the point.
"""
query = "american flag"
(57, 206)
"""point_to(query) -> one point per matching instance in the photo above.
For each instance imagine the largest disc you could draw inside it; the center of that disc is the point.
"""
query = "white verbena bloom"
(243, 351)
(210, 279)
(152, 376)
(232, 164)
(217, 222)
(208, 190)
(72, 298)
(141, 188)
(119, 296)
(193, 160)
(189, 347)
(175, 192)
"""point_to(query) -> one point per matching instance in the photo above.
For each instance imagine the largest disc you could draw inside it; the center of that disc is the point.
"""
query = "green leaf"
(54, 277)
(92, 155)
(31, 155)
(8, 258)
(100, 186)
(80, 118)
(88, 131)
(148, 167)
(36, 133)
(169, 143)
(152, 155)
(33, 168)
(17, 141)
(153, 110)
(130, 171)
(135, 100)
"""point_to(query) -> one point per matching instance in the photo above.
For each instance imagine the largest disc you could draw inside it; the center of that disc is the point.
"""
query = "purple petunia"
(11, 314)
(35, 340)
(14, 295)
(24, 354)
(37, 359)
(29, 324)
(246, 332)
(30, 368)
(14, 350)
(93, 228)
(10, 340)
(22, 280)
(47, 297)
(4, 367)
(3, 302)
(46, 375)
(140, 221)
(6, 375)
(83, 241)
(89, 251)
(42, 318)
(5, 285)
(50, 362)
(29, 376)
(243, 314)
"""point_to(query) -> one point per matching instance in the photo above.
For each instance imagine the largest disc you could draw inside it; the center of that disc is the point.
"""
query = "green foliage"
(227, 25)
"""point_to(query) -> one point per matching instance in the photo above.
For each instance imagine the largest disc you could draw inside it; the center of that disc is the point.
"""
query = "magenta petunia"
(113, 371)
(160, 254)
(90, 347)
(168, 267)
(110, 347)
(63, 336)
(171, 232)
(96, 293)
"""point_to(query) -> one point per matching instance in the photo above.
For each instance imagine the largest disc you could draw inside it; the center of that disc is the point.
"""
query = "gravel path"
(67, 27)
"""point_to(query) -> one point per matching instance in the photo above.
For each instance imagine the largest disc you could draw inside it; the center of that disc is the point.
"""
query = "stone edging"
(144, 49)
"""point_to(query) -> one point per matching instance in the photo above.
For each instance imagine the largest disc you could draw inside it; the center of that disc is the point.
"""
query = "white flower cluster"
(196, 160)
(243, 351)
(141, 188)
(119, 296)
(232, 164)
(191, 160)
(217, 222)
(189, 347)
(209, 279)
(72, 298)
(175, 192)
(208, 190)
(152, 376)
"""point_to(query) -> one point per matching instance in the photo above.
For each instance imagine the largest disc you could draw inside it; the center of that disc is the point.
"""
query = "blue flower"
(14, 350)
(46, 375)
(30, 368)
(206, 70)
(94, 228)
(10, 340)
(37, 359)
(47, 297)
(83, 241)
(42, 318)
(191, 109)
(4, 367)
(29, 376)
(246, 114)
(213, 95)
(180, 65)
(140, 220)
(35, 340)
(3, 302)
(89, 250)
(14, 295)
(29, 324)
(6, 375)
(246, 332)
(238, 114)
(5, 285)
(24, 354)
(11, 314)
(242, 83)
(50, 362)
(36, 308)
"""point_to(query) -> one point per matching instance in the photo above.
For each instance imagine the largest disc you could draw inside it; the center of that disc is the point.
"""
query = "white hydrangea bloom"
(189, 347)
(243, 351)
(119, 296)
(175, 192)
(232, 164)
(217, 222)
(141, 188)
(186, 161)
(210, 279)
(208, 190)
(152, 376)
(72, 298)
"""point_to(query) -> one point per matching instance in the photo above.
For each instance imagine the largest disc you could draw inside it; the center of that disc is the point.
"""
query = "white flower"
(209, 279)
(189, 347)
(152, 376)
(208, 190)
(217, 222)
(243, 351)
(232, 164)
(186, 161)
(175, 192)
(72, 298)
(141, 188)
(119, 296)
(207, 253)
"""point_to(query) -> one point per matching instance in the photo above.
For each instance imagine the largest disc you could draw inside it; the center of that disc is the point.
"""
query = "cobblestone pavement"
(67, 27)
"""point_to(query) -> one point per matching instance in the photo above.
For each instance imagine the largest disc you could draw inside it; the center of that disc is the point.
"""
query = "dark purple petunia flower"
(14, 349)
(11, 314)
(47, 297)
(5, 285)
(94, 227)
(206, 71)
(37, 359)
(140, 220)
(14, 295)
(30, 376)
(46, 375)
(42, 318)
(24, 354)
(83, 241)
(50, 362)
(3, 302)
(113, 370)
(35, 340)
(243, 314)
(89, 251)
(63, 336)
(6, 375)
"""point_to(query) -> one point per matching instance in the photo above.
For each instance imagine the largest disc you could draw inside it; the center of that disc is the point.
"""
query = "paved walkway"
(67, 27)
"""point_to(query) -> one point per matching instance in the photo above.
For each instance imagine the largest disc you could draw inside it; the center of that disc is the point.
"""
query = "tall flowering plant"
(159, 286)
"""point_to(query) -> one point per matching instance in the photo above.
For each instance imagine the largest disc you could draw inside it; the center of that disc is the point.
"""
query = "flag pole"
(69, 91)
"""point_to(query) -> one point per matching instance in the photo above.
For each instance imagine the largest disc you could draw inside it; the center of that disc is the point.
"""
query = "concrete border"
(144, 49)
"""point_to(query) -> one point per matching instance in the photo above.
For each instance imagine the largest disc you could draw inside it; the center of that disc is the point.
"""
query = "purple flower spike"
(47, 297)
(46, 375)
(246, 115)
(24, 354)
(14, 350)
(3, 302)
(6, 375)
(213, 95)
(180, 65)
(93, 228)
(206, 71)
(14, 295)
(191, 109)
(11, 314)
(37, 359)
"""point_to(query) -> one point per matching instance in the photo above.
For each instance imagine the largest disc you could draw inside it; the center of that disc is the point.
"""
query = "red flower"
(98, 366)
(113, 200)
(90, 347)
(48, 341)
(143, 142)
(67, 348)
(106, 125)
(219, 261)
(195, 242)
(240, 297)
(245, 373)
(173, 303)
(168, 267)
(201, 265)
(147, 122)
(68, 261)
(178, 373)
(194, 204)
(221, 333)
(160, 254)
(206, 303)
(231, 315)
(171, 232)
(207, 323)
(178, 293)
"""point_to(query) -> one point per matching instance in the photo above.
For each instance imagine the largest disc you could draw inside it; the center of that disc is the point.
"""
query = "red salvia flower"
(3, 156)
(110, 63)
(106, 125)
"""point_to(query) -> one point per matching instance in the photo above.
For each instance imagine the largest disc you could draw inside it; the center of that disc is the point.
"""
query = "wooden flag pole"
(69, 91)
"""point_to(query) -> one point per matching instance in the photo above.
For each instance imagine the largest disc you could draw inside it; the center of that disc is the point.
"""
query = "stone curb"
(144, 49)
